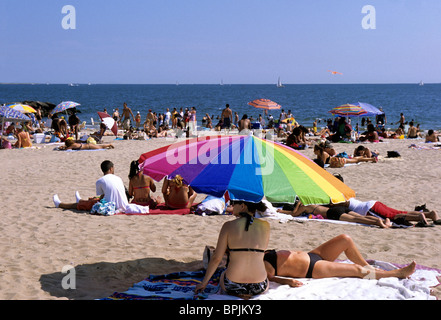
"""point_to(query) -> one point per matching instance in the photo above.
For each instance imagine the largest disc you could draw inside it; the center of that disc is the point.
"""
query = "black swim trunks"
(335, 213)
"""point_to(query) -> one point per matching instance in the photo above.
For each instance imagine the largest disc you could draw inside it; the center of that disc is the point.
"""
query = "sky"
(209, 41)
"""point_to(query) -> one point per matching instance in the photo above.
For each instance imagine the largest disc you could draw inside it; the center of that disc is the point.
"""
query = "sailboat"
(279, 84)
(421, 83)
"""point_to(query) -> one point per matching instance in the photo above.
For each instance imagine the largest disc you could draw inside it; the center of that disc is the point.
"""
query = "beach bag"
(337, 162)
(104, 208)
(393, 154)
(342, 155)
(208, 253)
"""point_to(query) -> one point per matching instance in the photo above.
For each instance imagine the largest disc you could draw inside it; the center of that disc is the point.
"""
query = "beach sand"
(38, 241)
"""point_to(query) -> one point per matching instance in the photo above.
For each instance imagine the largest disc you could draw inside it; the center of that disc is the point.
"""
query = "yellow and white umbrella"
(24, 108)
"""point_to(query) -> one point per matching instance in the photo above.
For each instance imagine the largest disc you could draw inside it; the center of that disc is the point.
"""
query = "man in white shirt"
(109, 187)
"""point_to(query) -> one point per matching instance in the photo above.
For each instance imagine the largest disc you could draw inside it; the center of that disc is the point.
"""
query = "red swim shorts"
(86, 205)
(384, 211)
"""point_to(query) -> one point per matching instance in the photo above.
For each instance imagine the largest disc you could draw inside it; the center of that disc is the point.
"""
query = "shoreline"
(112, 253)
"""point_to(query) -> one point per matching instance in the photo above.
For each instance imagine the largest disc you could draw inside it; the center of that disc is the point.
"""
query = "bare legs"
(332, 249)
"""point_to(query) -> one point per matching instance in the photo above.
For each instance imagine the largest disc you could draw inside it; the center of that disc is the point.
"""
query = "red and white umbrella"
(109, 122)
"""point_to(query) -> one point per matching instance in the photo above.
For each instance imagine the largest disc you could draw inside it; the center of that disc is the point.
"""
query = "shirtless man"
(432, 136)
(244, 123)
(227, 117)
(126, 113)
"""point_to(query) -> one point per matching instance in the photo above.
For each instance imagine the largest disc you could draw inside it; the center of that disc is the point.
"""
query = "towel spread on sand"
(180, 285)
(436, 146)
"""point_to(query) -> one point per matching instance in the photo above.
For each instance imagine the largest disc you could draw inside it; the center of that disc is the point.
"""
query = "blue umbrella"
(64, 106)
(12, 114)
(370, 109)
(9, 114)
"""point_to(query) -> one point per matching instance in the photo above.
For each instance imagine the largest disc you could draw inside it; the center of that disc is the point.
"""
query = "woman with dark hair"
(245, 239)
(140, 186)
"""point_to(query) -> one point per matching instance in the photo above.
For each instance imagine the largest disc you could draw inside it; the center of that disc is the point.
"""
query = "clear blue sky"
(204, 41)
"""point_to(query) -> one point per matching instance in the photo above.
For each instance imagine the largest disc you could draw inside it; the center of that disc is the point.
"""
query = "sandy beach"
(111, 253)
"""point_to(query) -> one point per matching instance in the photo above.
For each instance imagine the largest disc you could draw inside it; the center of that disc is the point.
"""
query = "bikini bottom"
(235, 289)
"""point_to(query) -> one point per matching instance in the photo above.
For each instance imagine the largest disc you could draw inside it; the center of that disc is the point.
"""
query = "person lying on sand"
(70, 144)
(336, 213)
(398, 216)
(320, 263)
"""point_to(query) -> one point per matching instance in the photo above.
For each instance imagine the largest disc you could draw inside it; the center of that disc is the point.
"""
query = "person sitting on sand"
(412, 132)
(23, 139)
(432, 136)
(244, 123)
(338, 162)
(399, 216)
(284, 265)
(336, 213)
(70, 144)
(371, 134)
(246, 239)
(109, 187)
(140, 186)
(178, 195)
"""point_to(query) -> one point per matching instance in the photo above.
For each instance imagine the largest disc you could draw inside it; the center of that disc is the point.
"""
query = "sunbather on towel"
(338, 162)
(70, 144)
(380, 209)
(246, 238)
(178, 195)
(320, 263)
(336, 213)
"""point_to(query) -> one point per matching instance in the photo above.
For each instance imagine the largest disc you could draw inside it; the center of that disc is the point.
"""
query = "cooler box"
(39, 137)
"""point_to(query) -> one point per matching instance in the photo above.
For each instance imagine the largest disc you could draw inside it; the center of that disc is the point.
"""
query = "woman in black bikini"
(319, 263)
(246, 240)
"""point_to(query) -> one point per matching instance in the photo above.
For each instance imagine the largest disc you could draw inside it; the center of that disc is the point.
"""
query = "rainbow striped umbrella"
(248, 167)
(264, 104)
(348, 110)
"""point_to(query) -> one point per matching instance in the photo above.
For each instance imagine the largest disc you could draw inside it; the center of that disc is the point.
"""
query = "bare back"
(257, 237)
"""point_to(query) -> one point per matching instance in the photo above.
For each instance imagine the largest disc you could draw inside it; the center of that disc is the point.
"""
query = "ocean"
(307, 102)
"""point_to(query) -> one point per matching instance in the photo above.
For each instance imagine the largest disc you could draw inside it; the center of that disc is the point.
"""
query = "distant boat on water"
(73, 85)
(421, 83)
(279, 83)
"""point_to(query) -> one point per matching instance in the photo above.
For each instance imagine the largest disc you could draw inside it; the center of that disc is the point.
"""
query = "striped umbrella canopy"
(8, 113)
(63, 106)
(248, 168)
(348, 110)
(24, 108)
(265, 104)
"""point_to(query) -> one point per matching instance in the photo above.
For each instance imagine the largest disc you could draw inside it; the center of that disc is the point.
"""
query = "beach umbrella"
(264, 104)
(23, 108)
(348, 110)
(370, 109)
(9, 114)
(248, 168)
(109, 122)
(63, 106)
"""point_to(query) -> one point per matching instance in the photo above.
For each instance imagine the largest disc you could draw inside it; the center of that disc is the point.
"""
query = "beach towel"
(426, 146)
(160, 209)
(180, 285)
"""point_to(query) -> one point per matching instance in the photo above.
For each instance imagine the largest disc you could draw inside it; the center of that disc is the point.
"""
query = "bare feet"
(407, 271)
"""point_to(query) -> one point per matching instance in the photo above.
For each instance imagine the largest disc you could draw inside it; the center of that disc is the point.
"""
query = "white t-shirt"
(113, 189)
(360, 207)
